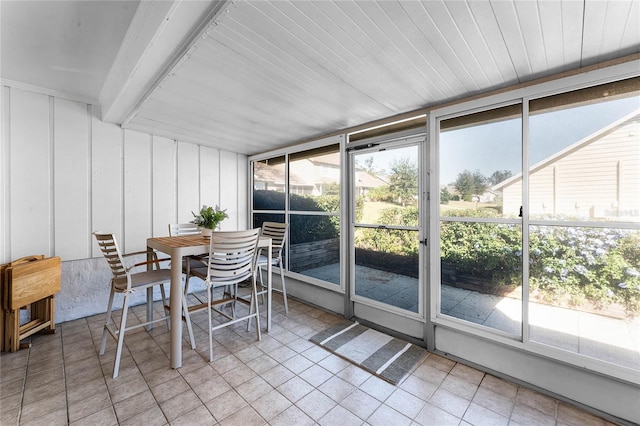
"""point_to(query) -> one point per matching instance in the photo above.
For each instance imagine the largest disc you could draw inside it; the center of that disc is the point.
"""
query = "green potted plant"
(209, 218)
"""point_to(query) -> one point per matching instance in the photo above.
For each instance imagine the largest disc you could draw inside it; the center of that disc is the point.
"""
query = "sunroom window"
(584, 222)
(480, 243)
(548, 255)
(303, 189)
(314, 248)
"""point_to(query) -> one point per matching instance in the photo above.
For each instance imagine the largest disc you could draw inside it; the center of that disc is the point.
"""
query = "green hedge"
(306, 228)
(597, 264)
(566, 264)
(392, 240)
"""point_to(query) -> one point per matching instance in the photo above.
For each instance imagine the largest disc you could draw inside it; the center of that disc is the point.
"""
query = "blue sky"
(497, 146)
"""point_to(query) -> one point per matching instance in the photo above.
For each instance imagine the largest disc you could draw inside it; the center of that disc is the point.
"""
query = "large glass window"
(584, 231)
(314, 200)
(269, 179)
(569, 224)
(303, 188)
(480, 237)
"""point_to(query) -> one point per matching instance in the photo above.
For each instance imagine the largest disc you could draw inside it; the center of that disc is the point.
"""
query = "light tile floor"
(281, 380)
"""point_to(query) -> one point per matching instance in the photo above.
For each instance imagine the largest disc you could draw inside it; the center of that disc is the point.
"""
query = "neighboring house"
(489, 196)
(310, 176)
(271, 177)
(596, 178)
(322, 170)
(365, 182)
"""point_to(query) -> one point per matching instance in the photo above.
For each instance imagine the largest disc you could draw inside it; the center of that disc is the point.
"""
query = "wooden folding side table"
(30, 282)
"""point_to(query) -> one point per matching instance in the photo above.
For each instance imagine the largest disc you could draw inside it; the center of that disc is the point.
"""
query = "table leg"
(176, 309)
(269, 288)
(149, 327)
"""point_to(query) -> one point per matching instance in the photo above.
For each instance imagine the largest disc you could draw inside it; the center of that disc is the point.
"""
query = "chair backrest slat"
(109, 247)
(278, 233)
(176, 229)
(232, 256)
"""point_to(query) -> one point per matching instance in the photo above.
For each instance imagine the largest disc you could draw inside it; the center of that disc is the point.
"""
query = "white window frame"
(286, 152)
(575, 82)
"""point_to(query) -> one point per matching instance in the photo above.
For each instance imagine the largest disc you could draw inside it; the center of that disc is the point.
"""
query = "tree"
(369, 167)
(404, 180)
(499, 176)
(471, 183)
(331, 188)
(445, 196)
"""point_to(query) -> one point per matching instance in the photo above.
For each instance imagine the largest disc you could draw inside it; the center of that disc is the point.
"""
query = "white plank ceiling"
(253, 76)
(269, 73)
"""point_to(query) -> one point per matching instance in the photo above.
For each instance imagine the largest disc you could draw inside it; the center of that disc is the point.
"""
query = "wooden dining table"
(177, 247)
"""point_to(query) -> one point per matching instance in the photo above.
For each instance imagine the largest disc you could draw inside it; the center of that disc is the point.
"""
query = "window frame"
(287, 212)
(523, 94)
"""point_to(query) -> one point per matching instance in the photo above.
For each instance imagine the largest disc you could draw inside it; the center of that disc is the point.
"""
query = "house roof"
(572, 148)
(367, 180)
(275, 173)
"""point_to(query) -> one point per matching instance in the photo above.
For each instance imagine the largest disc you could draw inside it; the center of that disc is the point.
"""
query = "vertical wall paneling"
(5, 137)
(90, 239)
(164, 185)
(106, 179)
(209, 176)
(29, 175)
(65, 173)
(137, 191)
(52, 178)
(71, 179)
(243, 206)
(229, 189)
(188, 181)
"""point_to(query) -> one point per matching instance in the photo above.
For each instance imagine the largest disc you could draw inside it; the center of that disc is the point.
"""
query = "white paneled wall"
(228, 199)
(66, 173)
(210, 176)
(188, 181)
(137, 190)
(71, 178)
(164, 209)
(106, 177)
(29, 204)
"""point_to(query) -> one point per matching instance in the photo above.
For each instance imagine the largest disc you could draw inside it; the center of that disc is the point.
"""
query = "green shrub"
(392, 240)
(445, 196)
(597, 264)
(489, 251)
(382, 193)
(566, 264)
(306, 228)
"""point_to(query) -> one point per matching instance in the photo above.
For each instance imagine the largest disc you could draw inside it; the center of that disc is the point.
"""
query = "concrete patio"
(598, 336)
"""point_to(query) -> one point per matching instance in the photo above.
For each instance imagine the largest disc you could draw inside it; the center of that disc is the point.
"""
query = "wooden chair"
(278, 233)
(127, 283)
(231, 260)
